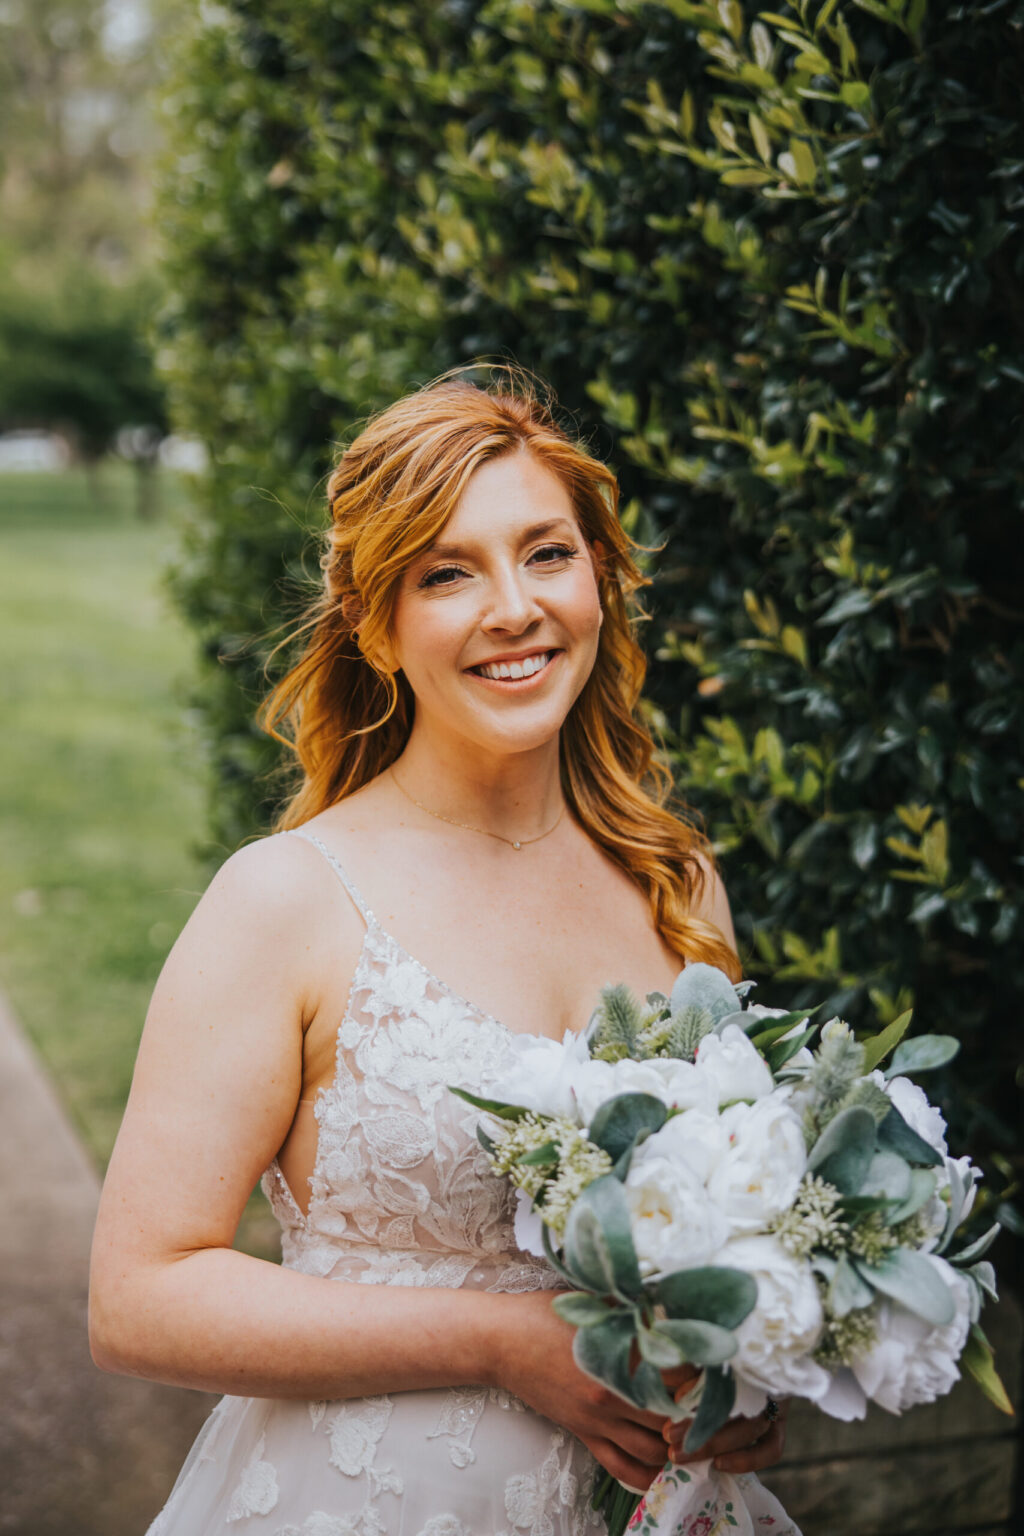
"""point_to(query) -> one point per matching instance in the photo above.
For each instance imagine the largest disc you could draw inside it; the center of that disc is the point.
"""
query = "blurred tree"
(76, 138)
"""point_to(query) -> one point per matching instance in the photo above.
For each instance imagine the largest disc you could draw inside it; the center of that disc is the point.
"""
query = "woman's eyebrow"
(535, 531)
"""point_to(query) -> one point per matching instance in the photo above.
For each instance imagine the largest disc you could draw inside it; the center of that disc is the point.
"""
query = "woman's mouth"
(516, 676)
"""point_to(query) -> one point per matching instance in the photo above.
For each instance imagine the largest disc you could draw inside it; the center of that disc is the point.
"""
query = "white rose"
(765, 1159)
(776, 1340)
(694, 1139)
(735, 1067)
(675, 1083)
(542, 1073)
(912, 1361)
(674, 1224)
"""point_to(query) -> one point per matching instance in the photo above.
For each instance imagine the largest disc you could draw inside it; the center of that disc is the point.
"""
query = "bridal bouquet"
(719, 1184)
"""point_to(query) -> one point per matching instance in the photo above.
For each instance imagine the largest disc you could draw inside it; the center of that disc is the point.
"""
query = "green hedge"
(773, 267)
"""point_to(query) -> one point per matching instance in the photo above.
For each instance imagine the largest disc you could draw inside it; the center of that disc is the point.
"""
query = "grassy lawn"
(100, 783)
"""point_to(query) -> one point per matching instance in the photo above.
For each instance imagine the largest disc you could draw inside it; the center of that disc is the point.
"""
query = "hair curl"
(347, 718)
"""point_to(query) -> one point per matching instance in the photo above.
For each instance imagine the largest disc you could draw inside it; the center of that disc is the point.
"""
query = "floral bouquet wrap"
(717, 1184)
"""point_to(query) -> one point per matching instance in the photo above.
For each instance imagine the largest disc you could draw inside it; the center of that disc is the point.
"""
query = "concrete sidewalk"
(81, 1453)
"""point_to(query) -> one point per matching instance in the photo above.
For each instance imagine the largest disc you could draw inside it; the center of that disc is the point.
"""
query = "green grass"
(101, 798)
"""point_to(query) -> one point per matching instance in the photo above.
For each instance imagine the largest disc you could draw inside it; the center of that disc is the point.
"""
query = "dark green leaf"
(712, 1294)
(716, 1400)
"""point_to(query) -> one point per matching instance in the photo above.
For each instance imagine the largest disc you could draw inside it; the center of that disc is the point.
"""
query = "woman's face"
(496, 625)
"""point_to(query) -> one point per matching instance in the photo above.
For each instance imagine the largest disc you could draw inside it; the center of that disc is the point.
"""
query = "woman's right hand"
(534, 1360)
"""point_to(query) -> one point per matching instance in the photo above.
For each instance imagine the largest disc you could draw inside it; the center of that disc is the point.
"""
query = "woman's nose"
(511, 604)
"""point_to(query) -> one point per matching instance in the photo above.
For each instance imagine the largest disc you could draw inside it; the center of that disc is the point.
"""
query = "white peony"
(673, 1223)
(695, 1139)
(912, 1361)
(765, 1159)
(735, 1067)
(924, 1118)
(543, 1073)
(777, 1338)
(529, 1226)
(676, 1083)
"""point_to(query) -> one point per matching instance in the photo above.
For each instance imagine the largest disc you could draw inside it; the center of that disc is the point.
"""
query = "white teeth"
(515, 669)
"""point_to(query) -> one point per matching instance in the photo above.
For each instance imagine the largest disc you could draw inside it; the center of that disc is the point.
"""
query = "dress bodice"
(401, 1192)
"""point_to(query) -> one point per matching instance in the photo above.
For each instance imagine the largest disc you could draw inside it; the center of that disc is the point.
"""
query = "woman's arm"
(214, 1093)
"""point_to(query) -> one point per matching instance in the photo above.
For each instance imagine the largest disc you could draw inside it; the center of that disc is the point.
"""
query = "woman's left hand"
(741, 1445)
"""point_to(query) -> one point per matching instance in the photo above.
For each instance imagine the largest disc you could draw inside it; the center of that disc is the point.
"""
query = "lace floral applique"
(533, 1498)
(460, 1414)
(316, 1413)
(355, 1432)
(445, 1525)
(256, 1491)
(319, 1523)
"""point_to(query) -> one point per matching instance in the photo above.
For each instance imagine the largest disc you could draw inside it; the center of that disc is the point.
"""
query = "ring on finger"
(771, 1410)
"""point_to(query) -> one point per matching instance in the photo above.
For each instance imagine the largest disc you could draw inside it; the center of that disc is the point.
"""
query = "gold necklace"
(516, 842)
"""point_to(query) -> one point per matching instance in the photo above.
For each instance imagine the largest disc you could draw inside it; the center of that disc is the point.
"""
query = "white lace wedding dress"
(401, 1195)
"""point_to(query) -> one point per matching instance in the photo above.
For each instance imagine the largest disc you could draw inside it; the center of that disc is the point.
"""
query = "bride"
(476, 846)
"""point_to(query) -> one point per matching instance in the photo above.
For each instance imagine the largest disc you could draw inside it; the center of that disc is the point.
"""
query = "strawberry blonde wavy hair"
(347, 718)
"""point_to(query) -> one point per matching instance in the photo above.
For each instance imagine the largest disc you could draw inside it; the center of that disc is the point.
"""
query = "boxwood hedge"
(772, 263)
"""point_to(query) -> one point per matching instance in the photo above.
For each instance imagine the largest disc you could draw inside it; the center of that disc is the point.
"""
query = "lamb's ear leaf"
(604, 1352)
(598, 1241)
(978, 1248)
(493, 1106)
(581, 1308)
(906, 1276)
(888, 1175)
(878, 1047)
(895, 1135)
(923, 1054)
(843, 1152)
(704, 986)
(923, 1185)
(847, 1291)
(716, 1400)
(700, 1343)
(712, 1294)
(540, 1157)
(553, 1259)
(621, 1120)
(979, 1363)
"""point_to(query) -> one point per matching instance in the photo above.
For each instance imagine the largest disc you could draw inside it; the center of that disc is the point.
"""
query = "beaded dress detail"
(401, 1194)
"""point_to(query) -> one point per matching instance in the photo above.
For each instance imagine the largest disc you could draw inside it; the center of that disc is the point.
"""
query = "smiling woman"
(478, 801)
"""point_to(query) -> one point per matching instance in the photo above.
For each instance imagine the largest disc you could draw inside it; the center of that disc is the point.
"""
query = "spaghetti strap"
(339, 870)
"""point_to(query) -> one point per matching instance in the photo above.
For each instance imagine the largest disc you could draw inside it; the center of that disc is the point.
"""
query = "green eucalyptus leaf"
(923, 1054)
(979, 1363)
(984, 1275)
(711, 1294)
(843, 1152)
(492, 1106)
(783, 1050)
(878, 1047)
(716, 1399)
(485, 1141)
(908, 1277)
(621, 1120)
(895, 1135)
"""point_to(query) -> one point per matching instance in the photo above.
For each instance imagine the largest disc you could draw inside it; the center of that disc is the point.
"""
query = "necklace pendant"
(517, 845)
